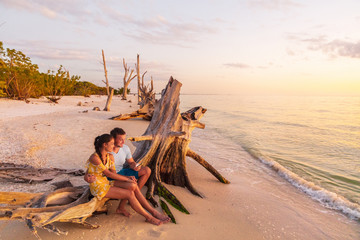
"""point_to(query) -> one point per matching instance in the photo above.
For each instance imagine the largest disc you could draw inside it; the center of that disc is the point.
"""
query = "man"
(122, 155)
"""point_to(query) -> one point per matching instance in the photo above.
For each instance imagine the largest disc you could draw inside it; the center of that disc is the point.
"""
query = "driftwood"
(53, 99)
(147, 96)
(141, 113)
(165, 145)
(28, 174)
(41, 210)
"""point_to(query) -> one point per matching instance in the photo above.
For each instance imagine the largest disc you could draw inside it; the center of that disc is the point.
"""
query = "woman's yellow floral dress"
(101, 186)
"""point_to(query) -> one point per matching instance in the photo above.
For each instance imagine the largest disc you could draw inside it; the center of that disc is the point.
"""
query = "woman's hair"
(99, 141)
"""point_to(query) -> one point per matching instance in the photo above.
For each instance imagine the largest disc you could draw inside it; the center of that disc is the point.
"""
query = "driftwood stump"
(165, 145)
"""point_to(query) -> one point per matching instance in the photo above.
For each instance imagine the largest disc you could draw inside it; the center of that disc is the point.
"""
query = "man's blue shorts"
(127, 172)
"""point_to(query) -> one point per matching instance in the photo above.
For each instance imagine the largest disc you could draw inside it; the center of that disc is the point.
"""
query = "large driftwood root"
(165, 145)
(28, 174)
(41, 210)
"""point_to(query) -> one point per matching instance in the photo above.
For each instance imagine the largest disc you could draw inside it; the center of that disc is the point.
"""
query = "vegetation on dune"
(21, 79)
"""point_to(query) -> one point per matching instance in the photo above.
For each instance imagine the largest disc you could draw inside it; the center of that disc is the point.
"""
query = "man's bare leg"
(144, 174)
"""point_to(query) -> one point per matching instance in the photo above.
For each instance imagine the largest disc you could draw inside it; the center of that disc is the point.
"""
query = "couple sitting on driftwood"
(108, 179)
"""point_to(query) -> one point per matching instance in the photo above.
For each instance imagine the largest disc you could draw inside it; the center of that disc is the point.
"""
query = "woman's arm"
(112, 163)
(94, 159)
(89, 178)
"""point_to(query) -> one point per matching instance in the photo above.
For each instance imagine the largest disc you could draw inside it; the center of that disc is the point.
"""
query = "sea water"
(312, 142)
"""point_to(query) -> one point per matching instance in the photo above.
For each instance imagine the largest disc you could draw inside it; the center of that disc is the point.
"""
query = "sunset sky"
(276, 47)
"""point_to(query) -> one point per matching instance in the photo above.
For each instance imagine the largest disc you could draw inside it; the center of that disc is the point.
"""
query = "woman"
(101, 165)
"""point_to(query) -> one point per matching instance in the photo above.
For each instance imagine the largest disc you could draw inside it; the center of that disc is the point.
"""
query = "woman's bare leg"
(120, 193)
(142, 200)
(121, 207)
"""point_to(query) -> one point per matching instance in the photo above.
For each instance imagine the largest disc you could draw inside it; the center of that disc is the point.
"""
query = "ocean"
(311, 142)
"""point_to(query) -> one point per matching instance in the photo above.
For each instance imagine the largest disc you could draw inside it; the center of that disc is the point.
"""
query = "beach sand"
(258, 204)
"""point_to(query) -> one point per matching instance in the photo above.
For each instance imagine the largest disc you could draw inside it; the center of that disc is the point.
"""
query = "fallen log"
(28, 174)
(141, 113)
(41, 210)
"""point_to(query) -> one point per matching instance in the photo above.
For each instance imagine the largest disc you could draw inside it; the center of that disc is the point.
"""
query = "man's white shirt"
(121, 156)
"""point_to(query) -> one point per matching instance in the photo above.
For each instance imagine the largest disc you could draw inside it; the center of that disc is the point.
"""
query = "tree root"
(205, 164)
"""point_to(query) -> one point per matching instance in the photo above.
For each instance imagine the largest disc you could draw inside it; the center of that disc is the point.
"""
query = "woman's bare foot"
(154, 221)
(161, 217)
(123, 212)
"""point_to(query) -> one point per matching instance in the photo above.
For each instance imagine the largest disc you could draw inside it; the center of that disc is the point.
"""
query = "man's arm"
(132, 164)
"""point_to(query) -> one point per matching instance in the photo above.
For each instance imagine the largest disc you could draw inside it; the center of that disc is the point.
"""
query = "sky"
(248, 47)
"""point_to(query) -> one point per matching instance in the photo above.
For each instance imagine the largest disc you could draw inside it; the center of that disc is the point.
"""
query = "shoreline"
(258, 204)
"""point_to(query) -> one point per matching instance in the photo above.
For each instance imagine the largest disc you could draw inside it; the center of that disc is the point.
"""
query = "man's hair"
(117, 131)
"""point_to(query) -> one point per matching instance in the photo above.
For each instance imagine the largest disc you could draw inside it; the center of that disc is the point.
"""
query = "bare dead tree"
(137, 66)
(146, 99)
(110, 93)
(127, 79)
(106, 76)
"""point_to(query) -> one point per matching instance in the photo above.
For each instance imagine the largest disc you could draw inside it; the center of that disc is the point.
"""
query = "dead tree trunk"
(108, 101)
(106, 76)
(109, 93)
(127, 79)
(137, 66)
(165, 145)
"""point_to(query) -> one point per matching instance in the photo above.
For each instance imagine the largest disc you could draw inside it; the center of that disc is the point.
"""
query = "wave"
(325, 197)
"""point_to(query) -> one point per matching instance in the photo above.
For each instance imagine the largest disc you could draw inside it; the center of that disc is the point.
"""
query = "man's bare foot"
(123, 212)
(154, 221)
(161, 217)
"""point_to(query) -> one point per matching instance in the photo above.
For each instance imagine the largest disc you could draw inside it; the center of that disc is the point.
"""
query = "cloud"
(64, 9)
(290, 52)
(59, 54)
(154, 29)
(337, 48)
(333, 48)
(273, 4)
(236, 65)
(42, 49)
(159, 30)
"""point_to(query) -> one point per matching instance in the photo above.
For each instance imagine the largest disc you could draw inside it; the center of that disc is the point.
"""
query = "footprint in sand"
(151, 233)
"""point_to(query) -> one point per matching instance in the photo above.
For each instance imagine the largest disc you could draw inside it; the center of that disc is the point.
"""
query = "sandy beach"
(258, 204)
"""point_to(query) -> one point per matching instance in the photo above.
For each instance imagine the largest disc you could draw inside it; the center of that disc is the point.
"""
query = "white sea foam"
(326, 198)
